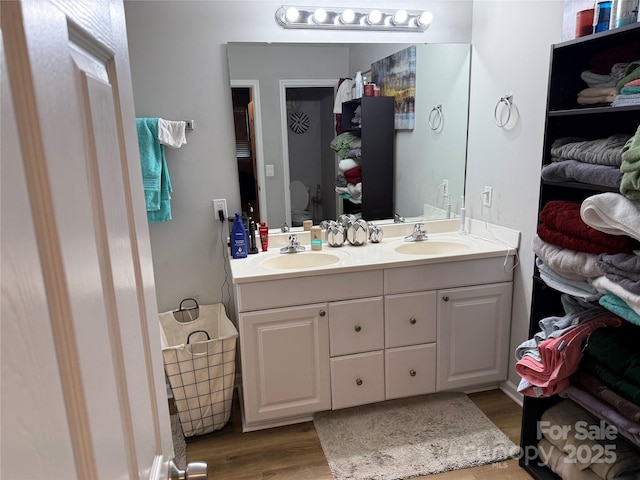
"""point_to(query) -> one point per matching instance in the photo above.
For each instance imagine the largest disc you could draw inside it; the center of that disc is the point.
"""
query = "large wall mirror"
(277, 150)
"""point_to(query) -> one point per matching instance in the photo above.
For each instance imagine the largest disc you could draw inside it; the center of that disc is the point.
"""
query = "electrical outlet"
(220, 204)
(487, 195)
(445, 187)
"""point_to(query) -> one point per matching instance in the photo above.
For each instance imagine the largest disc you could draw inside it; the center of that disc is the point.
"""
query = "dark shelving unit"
(565, 118)
(377, 133)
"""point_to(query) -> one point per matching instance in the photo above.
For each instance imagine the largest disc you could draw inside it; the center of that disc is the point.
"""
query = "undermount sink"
(432, 247)
(289, 261)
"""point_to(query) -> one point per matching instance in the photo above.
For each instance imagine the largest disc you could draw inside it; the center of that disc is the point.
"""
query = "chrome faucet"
(284, 228)
(293, 246)
(398, 219)
(419, 233)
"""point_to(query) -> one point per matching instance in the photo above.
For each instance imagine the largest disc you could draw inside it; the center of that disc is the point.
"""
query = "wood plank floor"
(294, 452)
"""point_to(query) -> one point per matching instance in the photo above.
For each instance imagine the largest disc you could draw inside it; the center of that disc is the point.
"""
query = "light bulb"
(374, 16)
(320, 15)
(400, 17)
(347, 16)
(292, 14)
(425, 19)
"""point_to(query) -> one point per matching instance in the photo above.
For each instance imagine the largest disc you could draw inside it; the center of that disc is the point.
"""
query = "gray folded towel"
(573, 170)
(622, 268)
(601, 151)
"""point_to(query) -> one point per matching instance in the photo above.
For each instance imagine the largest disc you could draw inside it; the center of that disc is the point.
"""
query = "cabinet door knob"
(358, 381)
(358, 328)
(412, 321)
(412, 372)
(445, 298)
(322, 313)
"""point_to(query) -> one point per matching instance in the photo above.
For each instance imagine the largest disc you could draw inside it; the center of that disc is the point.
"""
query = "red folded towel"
(562, 226)
(354, 175)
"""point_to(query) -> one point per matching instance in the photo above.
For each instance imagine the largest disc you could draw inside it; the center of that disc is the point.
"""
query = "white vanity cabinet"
(318, 342)
(285, 356)
(470, 304)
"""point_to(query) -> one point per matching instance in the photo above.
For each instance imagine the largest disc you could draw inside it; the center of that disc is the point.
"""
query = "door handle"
(194, 471)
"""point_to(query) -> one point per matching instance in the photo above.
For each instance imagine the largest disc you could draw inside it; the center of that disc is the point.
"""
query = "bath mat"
(405, 438)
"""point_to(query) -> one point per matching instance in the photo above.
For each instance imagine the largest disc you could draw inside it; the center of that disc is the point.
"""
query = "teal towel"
(155, 174)
(615, 304)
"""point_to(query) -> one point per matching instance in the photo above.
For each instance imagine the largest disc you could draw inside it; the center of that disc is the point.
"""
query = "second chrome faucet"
(419, 233)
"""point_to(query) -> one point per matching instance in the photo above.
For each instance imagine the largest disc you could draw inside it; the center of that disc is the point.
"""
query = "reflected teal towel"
(615, 304)
(155, 175)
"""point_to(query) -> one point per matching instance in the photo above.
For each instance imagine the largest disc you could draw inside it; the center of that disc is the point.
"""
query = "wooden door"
(83, 393)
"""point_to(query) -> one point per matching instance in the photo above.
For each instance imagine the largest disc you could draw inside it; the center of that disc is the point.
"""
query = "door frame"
(254, 87)
(284, 127)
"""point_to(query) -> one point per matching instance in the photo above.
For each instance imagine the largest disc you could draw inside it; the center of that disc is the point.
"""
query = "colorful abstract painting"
(396, 77)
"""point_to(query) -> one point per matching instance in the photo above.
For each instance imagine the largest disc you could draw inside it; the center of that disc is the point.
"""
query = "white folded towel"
(604, 285)
(172, 132)
(566, 262)
(347, 164)
(612, 213)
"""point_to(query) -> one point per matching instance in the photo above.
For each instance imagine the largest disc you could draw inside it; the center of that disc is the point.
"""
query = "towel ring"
(435, 121)
(505, 100)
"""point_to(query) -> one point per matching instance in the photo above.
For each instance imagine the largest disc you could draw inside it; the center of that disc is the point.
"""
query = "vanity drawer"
(410, 371)
(287, 292)
(419, 278)
(410, 319)
(357, 379)
(356, 326)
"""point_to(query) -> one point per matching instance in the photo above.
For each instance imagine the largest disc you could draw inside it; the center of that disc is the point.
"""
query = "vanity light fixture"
(350, 19)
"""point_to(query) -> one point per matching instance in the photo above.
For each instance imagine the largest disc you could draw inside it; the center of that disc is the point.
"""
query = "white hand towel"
(612, 213)
(347, 164)
(172, 132)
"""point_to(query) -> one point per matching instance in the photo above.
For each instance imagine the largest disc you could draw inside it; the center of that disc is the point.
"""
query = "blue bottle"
(238, 239)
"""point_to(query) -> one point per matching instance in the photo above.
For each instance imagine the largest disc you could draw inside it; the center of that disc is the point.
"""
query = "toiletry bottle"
(318, 197)
(316, 238)
(253, 245)
(359, 85)
(264, 236)
(238, 239)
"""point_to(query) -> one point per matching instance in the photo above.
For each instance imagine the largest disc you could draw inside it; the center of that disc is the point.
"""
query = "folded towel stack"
(592, 161)
(574, 454)
(348, 184)
(630, 167)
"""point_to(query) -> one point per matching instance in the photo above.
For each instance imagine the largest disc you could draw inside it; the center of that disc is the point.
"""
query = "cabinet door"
(285, 363)
(473, 335)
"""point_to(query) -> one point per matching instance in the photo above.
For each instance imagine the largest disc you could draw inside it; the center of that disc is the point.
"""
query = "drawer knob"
(322, 313)
(358, 328)
(412, 372)
(445, 298)
(358, 381)
(412, 321)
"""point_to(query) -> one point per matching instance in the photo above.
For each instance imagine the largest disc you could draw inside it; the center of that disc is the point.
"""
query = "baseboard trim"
(511, 390)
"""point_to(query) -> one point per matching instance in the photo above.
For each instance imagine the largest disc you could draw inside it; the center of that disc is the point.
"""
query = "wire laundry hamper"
(199, 353)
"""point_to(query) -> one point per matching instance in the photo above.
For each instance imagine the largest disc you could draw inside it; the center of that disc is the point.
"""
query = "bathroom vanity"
(354, 325)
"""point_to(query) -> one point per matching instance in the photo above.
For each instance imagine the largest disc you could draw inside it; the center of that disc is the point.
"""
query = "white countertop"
(484, 241)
